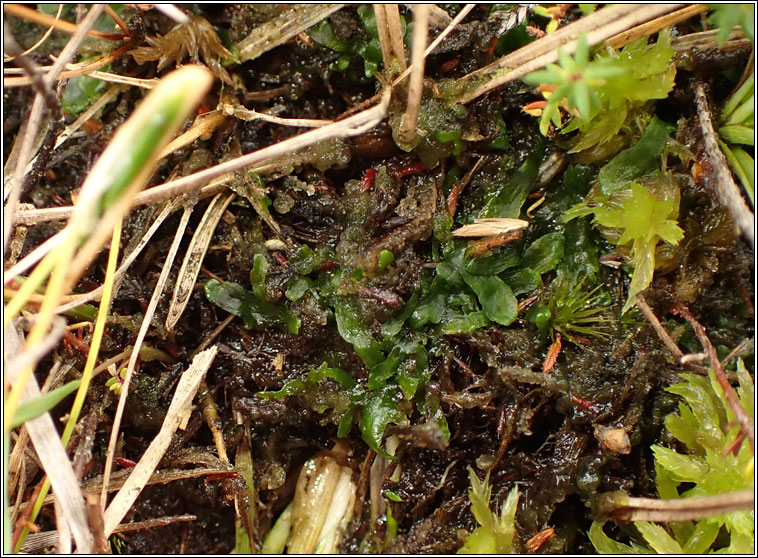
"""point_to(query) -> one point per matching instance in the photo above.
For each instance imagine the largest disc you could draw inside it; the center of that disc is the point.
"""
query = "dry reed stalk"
(416, 84)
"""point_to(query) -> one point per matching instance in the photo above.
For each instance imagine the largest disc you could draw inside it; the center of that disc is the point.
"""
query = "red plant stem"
(745, 424)
(413, 168)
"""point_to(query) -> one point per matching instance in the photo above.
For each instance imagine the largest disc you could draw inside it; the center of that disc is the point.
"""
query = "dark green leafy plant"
(370, 51)
(571, 309)
(712, 465)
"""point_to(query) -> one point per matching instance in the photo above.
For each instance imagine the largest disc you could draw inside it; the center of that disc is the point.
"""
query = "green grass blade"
(42, 404)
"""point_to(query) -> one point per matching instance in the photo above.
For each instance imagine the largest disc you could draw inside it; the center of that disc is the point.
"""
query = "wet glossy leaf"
(543, 254)
(237, 300)
(506, 201)
(640, 159)
(497, 300)
(379, 411)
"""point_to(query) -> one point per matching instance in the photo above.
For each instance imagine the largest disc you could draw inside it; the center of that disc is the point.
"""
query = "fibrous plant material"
(282, 28)
(176, 417)
(727, 190)
(369, 316)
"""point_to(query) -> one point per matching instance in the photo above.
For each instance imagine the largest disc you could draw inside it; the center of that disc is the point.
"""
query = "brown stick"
(620, 506)
(23, 12)
(727, 190)
(744, 421)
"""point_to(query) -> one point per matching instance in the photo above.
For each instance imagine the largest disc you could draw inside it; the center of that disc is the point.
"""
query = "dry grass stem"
(193, 259)
(118, 478)
(95, 518)
(34, 16)
(416, 82)
(25, 153)
(728, 192)
(74, 301)
(146, 321)
(30, 357)
(680, 509)
(598, 26)
(90, 69)
(437, 16)
(653, 26)
(39, 43)
(352, 126)
(283, 27)
(246, 114)
(178, 412)
(204, 125)
(52, 454)
(37, 542)
(390, 38)
(395, 29)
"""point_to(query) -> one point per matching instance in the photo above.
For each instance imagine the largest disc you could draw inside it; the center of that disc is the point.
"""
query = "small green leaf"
(342, 377)
(380, 410)
(258, 276)
(543, 254)
(507, 200)
(80, 91)
(29, 410)
(640, 159)
(657, 537)
(681, 467)
(606, 545)
(497, 300)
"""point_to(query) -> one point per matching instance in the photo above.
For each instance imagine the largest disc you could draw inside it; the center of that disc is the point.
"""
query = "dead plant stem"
(416, 84)
(727, 190)
(746, 424)
(146, 321)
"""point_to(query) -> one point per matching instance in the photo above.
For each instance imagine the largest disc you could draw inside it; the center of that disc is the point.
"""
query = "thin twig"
(146, 321)
(246, 114)
(90, 69)
(658, 328)
(455, 192)
(352, 126)
(36, 45)
(622, 507)
(746, 424)
(416, 85)
(653, 26)
(117, 19)
(598, 26)
(177, 415)
(34, 16)
(727, 190)
(36, 113)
